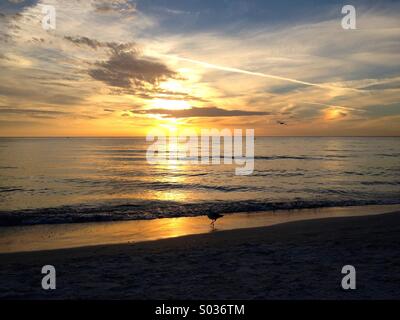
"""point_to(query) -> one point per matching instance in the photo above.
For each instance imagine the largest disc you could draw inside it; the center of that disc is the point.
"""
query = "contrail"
(258, 74)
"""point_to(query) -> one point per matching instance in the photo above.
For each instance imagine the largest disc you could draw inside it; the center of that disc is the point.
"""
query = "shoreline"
(64, 236)
(293, 260)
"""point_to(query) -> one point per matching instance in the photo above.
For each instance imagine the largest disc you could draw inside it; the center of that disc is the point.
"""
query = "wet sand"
(72, 235)
(294, 260)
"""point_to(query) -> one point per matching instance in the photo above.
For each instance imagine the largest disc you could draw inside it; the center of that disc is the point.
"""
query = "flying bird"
(282, 123)
(214, 217)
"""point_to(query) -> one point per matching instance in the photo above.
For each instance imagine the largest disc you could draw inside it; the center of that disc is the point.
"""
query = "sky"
(125, 67)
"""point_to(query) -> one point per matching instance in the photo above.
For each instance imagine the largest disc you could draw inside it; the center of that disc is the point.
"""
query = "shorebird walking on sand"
(214, 217)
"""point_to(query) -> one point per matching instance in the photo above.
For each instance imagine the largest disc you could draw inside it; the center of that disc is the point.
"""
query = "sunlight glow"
(334, 114)
(172, 85)
(170, 104)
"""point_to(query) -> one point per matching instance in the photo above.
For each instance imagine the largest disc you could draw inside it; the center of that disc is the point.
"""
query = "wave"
(395, 155)
(145, 210)
(10, 189)
(137, 157)
(378, 183)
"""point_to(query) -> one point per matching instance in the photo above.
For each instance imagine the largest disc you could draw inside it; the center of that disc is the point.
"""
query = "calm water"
(91, 179)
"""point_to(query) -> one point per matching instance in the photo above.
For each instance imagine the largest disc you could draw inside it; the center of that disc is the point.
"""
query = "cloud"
(102, 57)
(31, 94)
(385, 85)
(126, 69)
(258, 74)
(202, 112)
(12, 124)
(378, 111)
(107, 6)
(95, 44)
(286, 88)
(31, 112)
(41, 113)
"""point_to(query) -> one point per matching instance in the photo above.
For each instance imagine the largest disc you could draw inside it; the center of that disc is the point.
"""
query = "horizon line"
(260, 136)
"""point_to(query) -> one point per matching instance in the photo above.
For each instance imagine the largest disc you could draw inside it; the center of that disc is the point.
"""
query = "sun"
(172, 85)
(171, 125)
(334, 114)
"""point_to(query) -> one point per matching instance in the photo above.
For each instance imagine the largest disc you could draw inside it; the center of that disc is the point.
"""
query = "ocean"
(67, 180)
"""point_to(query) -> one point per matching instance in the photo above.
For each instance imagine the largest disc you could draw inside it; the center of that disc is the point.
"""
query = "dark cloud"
(126, 70)
(109, 6)
(95, 44)
(41, 114)
(13, 124)
(157, 93)
(64, 99)
(202, 112)
(35, 113)
(286, 88)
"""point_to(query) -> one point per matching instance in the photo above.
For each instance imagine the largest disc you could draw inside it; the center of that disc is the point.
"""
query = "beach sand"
(294, 260)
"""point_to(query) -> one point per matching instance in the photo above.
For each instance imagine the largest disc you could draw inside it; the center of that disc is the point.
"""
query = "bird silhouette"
(282, 123)
(214, 217)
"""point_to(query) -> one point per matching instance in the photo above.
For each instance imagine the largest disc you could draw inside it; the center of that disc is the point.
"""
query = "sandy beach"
(293, 260)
